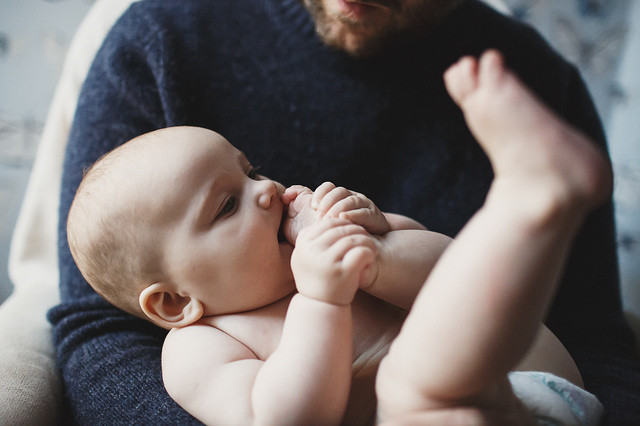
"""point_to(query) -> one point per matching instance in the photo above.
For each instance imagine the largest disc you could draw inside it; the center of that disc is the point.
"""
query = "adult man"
(258, 73)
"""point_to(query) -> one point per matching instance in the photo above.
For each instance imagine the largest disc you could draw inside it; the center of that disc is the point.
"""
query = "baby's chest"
(375, 325)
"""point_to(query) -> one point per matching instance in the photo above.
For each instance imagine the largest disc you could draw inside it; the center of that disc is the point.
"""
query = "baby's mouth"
(281, 235)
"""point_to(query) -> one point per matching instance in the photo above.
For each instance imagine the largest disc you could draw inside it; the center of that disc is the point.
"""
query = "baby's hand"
(331, 260)
(333, 201)
(306, 207)
(299, 213)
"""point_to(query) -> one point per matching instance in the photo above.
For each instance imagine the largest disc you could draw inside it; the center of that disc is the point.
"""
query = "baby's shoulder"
(257, 331)
(201, 338)
(201, 354)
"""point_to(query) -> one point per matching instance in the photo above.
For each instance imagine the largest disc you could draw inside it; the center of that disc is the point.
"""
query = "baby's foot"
(536, 156)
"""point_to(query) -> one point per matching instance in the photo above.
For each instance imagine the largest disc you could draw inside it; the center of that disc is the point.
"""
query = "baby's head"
(109, 237)
(176, 225)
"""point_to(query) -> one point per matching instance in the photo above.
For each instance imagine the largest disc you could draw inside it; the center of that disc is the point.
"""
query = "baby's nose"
(267, 192)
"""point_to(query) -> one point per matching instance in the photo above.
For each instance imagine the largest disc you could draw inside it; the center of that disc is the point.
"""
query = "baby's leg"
(480, 308)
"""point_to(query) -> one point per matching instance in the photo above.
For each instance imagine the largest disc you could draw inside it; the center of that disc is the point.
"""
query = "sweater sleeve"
(110, 360)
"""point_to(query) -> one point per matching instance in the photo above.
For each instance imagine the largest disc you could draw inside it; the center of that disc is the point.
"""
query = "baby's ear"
(168, 309)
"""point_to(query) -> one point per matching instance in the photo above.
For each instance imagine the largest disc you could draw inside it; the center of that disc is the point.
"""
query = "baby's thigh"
(402, 401)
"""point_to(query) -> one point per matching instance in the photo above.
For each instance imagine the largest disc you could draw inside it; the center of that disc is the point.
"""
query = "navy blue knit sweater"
(256, 72)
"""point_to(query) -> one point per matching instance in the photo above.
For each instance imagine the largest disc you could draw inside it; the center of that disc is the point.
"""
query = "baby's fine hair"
(106, 238)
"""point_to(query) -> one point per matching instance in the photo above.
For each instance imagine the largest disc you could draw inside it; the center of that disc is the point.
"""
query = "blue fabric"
(256, 72)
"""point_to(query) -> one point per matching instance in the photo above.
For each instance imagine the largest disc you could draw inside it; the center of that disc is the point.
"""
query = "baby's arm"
(220, 381)
(328, 263)
(405, 260)
(306, 380)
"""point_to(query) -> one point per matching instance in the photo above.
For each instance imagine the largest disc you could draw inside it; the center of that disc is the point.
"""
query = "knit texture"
(255, 72)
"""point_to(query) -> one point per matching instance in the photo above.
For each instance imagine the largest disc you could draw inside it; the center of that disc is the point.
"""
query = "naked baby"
(288, 306)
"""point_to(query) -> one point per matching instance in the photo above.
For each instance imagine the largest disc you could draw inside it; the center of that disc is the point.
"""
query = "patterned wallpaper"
(597, 35)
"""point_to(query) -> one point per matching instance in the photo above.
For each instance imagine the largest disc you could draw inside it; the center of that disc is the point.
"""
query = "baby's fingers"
(325, 229)
(334, 199)
(348, 204)
(353, 241)
(358, 258)
(292, 192)
(320, 193)
(364, 217)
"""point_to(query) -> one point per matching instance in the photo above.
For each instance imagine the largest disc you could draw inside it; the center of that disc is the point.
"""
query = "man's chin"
(353, 42)
(357, 37)
(378, 29)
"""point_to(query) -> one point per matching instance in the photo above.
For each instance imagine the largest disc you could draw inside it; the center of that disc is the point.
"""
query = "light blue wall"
(34, 36)
(624, 138)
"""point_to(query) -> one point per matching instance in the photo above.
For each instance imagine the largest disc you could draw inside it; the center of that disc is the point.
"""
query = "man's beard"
(404, 22)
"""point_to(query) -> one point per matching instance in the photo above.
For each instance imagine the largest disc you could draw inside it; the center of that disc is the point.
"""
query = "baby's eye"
(253, 173)
(229, 206)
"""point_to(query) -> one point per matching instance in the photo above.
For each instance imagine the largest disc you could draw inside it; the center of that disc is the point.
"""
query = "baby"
(299, 307)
